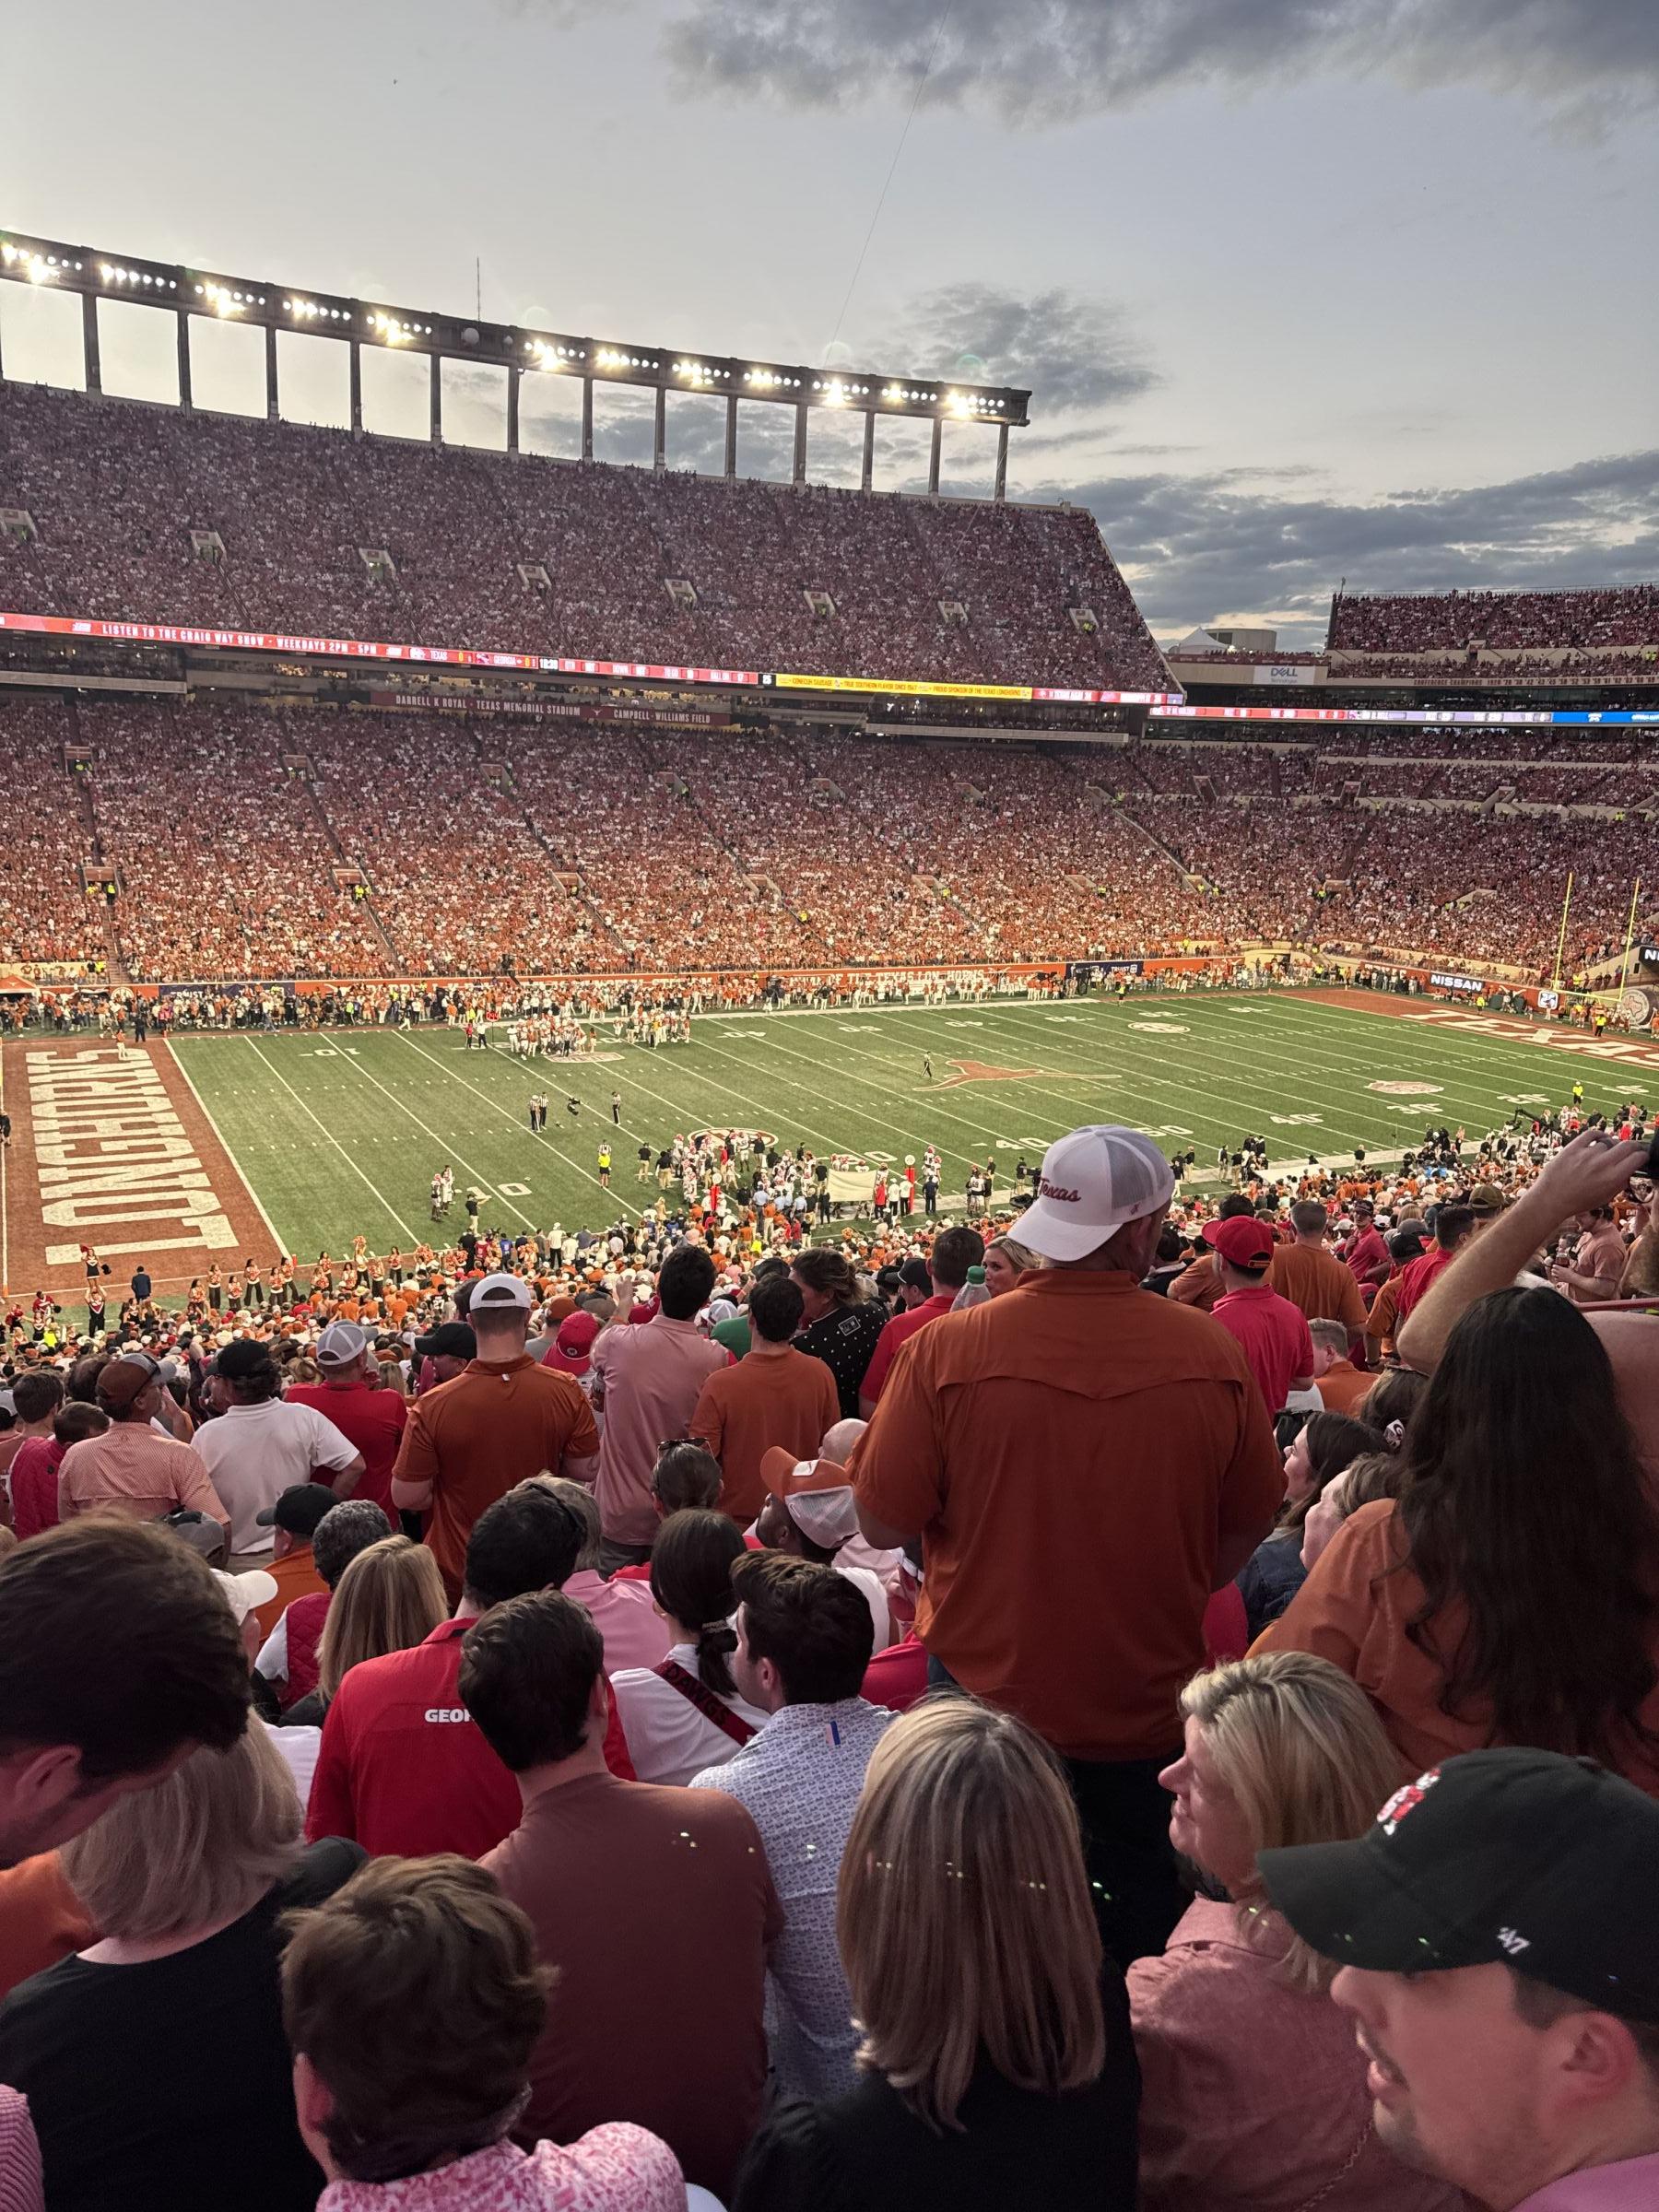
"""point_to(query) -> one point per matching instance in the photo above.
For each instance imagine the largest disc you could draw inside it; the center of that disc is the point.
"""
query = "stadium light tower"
(184, 292)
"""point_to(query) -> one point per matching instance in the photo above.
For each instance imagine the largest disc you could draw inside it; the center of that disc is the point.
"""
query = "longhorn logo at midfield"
(980, 1071)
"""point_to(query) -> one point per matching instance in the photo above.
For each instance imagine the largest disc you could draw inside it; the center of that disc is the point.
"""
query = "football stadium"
(830, 1377)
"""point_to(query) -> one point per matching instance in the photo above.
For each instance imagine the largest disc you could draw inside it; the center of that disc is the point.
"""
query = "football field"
(315, 1138)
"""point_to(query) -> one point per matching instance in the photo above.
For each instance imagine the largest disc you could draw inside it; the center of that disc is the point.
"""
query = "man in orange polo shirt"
(500, 1420)
(1315, 1280)
(1085, 1464)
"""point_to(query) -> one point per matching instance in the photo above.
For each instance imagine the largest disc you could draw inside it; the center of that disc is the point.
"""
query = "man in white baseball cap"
(1091, 1183)
(501, 1419)
(1085, 1463)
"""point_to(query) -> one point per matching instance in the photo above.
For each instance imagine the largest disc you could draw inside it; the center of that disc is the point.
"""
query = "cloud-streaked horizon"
(1055, 60)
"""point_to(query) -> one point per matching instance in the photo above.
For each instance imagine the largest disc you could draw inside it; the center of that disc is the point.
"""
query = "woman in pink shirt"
(402, 2122)
(1252, 2088)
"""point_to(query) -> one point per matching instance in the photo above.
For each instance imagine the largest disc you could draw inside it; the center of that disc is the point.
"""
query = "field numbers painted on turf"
(964, 1025)
(1169, 1129)
(1161, 1029)
(514, 1190)
(759, 1035)
(1524, 1098)
(858, 1028)
(1415, 1112)
(1074, 1017)
(1296, 1121)
(334, 1052)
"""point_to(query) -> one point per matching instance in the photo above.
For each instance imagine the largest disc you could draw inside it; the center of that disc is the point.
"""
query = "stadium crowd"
(1413, 622)
(688, 1716)
(325, 840)
(150, 514)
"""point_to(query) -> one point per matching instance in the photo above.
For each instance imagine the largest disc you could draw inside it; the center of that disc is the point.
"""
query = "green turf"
(341, 1132)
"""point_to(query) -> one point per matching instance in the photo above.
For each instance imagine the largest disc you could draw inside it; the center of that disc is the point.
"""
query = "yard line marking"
(413, 1234)
(496, 1106)
(279, 1242)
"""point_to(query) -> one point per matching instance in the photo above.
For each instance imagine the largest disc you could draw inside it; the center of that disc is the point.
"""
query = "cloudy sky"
(1362, 288)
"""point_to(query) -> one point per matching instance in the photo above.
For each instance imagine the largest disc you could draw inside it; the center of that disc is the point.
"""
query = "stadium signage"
(552, 709)
(1456, 983)
(908, 688)
(542, 663)
(1496, 717)
(362, 649)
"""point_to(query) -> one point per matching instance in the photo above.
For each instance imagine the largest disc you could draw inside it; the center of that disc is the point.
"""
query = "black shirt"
(844, 1340)
(166, 2087)
(1015, 2150)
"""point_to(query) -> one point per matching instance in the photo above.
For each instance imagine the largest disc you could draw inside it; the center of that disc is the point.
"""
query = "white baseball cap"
(341, 1343)
(1091, 1183)
(499, 1291)
(246, 1593)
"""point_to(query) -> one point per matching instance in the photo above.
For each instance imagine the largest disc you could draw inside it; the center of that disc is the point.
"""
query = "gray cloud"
(1053, 60)
(1074, 351)
(1197, 547)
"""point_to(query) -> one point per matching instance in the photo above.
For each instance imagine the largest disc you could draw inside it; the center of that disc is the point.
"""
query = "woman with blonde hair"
(1006, 1261)
(1254, 2096)
(390, 1598)
(154, 2061)
(998, 2067)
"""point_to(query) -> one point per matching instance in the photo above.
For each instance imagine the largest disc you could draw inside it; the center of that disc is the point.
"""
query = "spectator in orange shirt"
(1085, 1463)
(1200, 1284)
(1312, 1277)
(774, 1396)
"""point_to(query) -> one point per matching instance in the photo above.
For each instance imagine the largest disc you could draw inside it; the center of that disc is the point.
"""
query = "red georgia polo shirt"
(403, 1768)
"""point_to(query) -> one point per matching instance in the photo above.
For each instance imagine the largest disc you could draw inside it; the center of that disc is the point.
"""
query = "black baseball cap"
(1507, 1857)
(917, 1274)
(298, 1510)
(450, 1340)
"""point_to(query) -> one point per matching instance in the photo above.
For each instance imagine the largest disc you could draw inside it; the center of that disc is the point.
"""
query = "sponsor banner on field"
(1441, 982)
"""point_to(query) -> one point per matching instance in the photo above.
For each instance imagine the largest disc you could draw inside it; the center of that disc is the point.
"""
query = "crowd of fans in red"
(248, 843)
(1413, 622)
(149, 514)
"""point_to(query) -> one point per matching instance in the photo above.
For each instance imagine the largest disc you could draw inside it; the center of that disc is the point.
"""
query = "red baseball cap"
(1242, 1242)
(571, 1350)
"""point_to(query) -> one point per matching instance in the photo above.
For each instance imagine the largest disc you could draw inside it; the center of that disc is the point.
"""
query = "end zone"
(110, 1148)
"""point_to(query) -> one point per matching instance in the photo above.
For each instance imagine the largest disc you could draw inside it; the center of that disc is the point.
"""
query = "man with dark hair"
(1497, 1943)
(402, 1766)
(132, 1468)
(804, 1641)
(1454, 1224)
(118, 1658)
(647, 1380)
(504, 1418)
(955, 1250)
(259, 1446)
(35, 1395)
(654, 1906)
(774, 1396)
(734, 1333)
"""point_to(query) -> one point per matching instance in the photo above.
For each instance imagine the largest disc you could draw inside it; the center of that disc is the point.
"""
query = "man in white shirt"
(258, 1447)
(804, 1641)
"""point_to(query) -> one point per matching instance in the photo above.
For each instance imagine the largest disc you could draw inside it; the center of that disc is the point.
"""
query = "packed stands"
(152, 515)
(250, 843)
(1414, 622)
